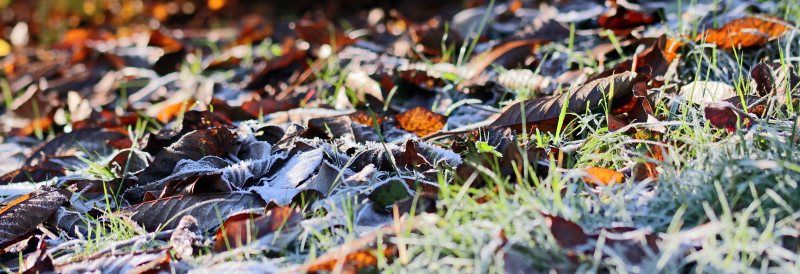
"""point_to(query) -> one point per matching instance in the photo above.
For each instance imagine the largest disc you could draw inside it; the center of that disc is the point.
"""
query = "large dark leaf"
(20, 216)
(209, 209)
(93, 141)
(543, 112)
(192, 146)
(628, 243)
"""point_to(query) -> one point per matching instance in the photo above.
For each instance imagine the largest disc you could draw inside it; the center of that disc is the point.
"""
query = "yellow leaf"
(5, 48)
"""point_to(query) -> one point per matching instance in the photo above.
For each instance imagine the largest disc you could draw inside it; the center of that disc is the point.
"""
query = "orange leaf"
(421, 121)
(39, 124)
(216, 4)
(745, 32)
(602, 176)
(671, 49)
(353, 261)
(365, 118)
(165, 42)
(168, 112)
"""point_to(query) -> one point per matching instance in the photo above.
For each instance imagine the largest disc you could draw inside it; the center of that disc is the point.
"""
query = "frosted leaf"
(282, 187)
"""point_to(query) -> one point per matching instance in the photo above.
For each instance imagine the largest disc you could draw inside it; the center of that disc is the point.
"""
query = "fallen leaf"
(185, 236)
(543, 112)
(705, 92)
(763, 76)
(724, 116)
(622, 20)
(209, 209)
(21, 216)
(244, 228)
(131, 262)
(603, 176)
(367, 119)
(566, 233)
(672, 49)
(745, 32)
(192, 146)
(353, 255)
(508, 55)
(421, 121)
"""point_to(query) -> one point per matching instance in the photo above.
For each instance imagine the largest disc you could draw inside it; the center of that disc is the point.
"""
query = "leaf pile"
(148, 136)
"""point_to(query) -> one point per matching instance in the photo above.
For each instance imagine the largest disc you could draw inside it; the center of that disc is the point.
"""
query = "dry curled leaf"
(724, 115)
(244, 228)
(745, 32)
(355, 255)
(543, 112)
(421, 121)
(603, 176)
(508, 55)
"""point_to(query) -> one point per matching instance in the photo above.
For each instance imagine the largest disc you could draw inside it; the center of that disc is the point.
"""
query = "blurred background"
(48, 21)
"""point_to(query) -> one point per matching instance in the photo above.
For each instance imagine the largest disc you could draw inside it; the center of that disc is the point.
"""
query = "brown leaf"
(20, 216)
(652, 62)
(508, 55)
(627, 244)
(543, 113)
(243, 228)
(566, 233)
(96, 141)
(622, 20)
(160, 39)
(279, 68)
(36, 173)
(723, 115)
(763, 76)
(745, 32)
(421, 121)
(192, 146)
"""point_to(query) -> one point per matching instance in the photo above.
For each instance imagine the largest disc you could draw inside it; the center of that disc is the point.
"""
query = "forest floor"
(374, 136)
